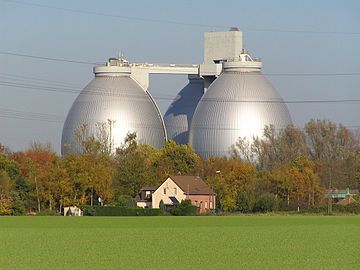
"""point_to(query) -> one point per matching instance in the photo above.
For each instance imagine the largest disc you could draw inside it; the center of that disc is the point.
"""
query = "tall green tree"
(6, 186)
(273, 148)
(176, 159)
(234, 178)
(308, 189)
(336, 149)
(91, 175)
(10, 202)
(101, 140)
(36, 164)
(297, 183)
(135, 168)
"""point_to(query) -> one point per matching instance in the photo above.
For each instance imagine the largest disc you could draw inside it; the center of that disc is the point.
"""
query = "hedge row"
(185, 208)
(352, 208)
(120, 211)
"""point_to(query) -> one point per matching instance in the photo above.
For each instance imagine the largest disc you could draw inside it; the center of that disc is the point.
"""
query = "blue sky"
(296, 37)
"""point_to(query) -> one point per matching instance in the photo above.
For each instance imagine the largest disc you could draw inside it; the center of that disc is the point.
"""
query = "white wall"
(169, 186)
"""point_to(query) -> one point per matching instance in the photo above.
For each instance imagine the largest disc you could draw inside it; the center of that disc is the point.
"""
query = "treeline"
(284, 170)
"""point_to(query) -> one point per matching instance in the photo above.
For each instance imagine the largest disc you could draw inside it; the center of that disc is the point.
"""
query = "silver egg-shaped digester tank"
(239, 103)
(179, 115)
(117, 100)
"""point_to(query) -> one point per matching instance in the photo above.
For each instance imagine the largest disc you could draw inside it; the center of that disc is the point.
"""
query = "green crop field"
(232, 242)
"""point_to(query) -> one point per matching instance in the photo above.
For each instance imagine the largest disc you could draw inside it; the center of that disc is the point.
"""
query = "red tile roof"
(191, 185)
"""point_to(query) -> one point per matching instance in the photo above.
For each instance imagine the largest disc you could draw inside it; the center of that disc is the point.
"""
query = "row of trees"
(291, 168)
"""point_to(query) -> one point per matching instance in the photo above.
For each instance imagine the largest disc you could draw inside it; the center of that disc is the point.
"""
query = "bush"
(125, 201)
(18, 205)
(185, 208)
(88, 210)
(315, 209)
(120, 211)
(245, 202)
(5, 206)
(162, 205)
(47, 213)
(266, 203)
(353, 208)
(338, 208)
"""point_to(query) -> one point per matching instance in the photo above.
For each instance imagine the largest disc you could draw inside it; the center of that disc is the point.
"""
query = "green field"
(233, 242)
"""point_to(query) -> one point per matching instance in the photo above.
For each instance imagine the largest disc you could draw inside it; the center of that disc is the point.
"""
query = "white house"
(175, 189)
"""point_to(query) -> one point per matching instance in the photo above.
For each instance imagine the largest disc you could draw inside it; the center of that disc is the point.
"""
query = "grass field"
(233, 242)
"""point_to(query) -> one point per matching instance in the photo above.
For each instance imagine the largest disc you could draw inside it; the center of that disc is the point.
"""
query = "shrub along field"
(230, 242)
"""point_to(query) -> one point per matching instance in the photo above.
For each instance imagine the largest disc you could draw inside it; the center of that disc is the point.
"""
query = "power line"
(22, 115)
(35, 79)
(109, 15)
(56, 89)
(32, 116)
(152, 20)
(93, 63)
(39, 87)
(47, 58)
(312, 74)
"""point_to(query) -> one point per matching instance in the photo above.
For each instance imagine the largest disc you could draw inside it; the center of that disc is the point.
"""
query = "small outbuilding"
(342, 196)
(72, 211)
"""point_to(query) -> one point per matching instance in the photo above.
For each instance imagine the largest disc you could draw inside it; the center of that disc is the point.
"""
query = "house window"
(175, 191)
(164, 190)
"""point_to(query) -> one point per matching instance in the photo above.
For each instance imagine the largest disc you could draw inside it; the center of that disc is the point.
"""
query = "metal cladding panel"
(180, 112)
(121, 100)
(237, 104)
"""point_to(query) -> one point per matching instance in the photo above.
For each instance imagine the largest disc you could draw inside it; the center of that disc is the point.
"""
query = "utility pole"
(111, 124)
(212, 191)
(211, 180)
(92, 196)
(37, 194)
(330, 193)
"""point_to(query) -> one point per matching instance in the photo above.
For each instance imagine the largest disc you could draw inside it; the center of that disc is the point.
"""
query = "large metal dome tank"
(114, 97)
(239, 103)
(180, 112)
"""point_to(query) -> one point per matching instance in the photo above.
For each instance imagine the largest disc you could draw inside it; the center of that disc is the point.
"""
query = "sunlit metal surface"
(180, 113)
(237, 104)
(122, 101)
